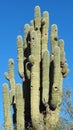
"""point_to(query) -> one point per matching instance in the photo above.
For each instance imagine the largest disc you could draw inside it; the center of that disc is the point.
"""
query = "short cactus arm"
(62, 52)
(20, 107)
(54, 37)
(26, 35)
(65, 70)
(7, 109)
(20, 56)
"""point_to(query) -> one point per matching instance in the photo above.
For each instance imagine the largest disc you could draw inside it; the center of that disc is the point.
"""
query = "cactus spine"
(36, 103)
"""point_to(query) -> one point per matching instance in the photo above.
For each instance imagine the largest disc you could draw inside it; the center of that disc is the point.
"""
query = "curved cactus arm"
(54, 37)
(56, 98)
(20, 107)
(45, 26)
(45, 77)
(20, 56)
(7, 109)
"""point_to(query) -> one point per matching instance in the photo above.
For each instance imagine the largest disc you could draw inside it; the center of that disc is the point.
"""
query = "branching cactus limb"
(7, 108)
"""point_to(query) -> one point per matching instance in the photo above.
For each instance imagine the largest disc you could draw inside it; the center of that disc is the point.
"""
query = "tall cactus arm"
(35, 80)
(45, 26)
(7, 109)
(37, 18)
(45, 77)
(20, 56)
(20, 107)
(56, 92)
(37, 26)
(54, 37)
(10, 77)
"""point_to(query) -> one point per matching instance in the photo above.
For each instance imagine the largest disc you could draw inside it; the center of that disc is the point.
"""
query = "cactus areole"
(36, 103)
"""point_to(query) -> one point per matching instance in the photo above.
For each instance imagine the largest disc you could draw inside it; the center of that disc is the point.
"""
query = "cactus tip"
(11, 61)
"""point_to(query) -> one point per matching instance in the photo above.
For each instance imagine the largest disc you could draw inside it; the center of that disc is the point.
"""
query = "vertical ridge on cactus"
(36, 103)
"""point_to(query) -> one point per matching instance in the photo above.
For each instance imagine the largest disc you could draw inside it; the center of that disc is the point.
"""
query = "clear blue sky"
(14, 14)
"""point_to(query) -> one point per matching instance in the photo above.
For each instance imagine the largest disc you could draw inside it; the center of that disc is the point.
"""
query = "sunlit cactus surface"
(36, 103)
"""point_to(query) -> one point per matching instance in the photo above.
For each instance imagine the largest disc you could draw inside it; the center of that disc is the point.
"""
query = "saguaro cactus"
(36, 103)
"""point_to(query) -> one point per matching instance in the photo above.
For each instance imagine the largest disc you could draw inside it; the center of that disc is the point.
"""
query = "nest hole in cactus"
(55, 38)
(33, 38)
(36, 28)
(55, 88)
